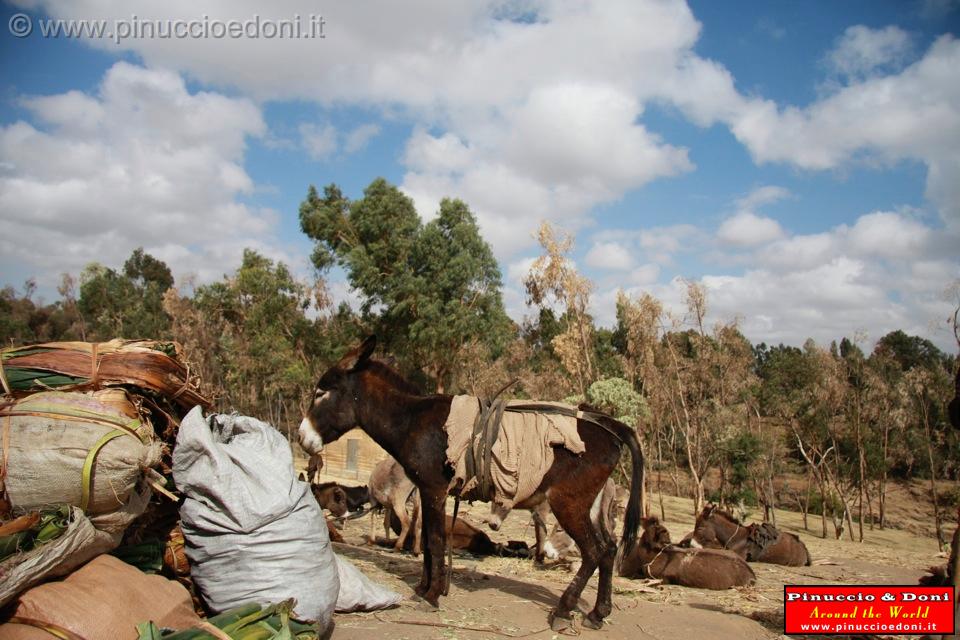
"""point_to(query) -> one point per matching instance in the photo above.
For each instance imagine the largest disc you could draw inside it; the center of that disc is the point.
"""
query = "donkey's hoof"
(560, 624)
(592, 623)
(426, 596)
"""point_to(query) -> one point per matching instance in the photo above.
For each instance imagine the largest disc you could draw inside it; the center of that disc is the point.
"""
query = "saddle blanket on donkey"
(521, 452)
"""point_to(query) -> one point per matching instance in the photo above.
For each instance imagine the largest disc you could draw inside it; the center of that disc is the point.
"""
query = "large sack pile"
(86, 432)
(91, 440)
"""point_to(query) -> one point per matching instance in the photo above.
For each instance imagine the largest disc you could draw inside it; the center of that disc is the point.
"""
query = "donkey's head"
(713, 529)
(334, 408)
(655, 536)
(331, 497)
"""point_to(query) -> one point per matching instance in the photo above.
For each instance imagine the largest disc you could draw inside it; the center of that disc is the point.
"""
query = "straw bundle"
(150, 365)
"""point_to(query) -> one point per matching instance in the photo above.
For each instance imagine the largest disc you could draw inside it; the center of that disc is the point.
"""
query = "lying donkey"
(655, 557)
(718, 529)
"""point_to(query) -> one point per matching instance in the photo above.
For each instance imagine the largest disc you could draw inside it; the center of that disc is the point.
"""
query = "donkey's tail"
(631, 522)
(635, 510)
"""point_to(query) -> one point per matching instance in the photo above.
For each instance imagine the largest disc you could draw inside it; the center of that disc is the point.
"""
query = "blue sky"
(799, 159)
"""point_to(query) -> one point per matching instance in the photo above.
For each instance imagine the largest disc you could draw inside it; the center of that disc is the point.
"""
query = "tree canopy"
(426, 289)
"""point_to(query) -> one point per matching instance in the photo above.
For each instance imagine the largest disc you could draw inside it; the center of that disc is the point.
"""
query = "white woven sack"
(359, 593)
(254, 532)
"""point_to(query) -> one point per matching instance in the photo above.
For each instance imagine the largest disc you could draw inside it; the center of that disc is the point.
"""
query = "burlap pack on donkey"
(523, 452)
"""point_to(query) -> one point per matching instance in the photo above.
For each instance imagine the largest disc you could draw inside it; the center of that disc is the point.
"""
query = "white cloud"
(825, 302)
(526, 103)
(565, 149)
(861, 50)
(889, 235)
(913, 114)
(320, 142)
(358, 138)
(609, 255)
(747, 229)
(885, 271)
(586, 136)
(645, 275)
(141, 161)
(799, 252)
(425, 153)
(549, 132)
(653, 246)
(518, 270)
(762, 196)
(668, 239)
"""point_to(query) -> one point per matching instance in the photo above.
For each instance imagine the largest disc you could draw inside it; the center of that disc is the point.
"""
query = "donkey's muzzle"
(309, 439)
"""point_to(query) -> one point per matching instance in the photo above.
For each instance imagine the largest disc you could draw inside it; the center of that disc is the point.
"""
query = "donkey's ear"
(366, 348)
(356, 358)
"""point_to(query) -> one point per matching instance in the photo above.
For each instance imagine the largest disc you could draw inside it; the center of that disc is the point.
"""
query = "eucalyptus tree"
(428, 290)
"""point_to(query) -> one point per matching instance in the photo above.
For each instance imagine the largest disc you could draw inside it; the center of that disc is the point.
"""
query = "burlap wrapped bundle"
(91, 451)
(86, 450)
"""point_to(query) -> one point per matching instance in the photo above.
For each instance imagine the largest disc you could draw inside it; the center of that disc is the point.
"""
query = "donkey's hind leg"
(574, 517)
(539, 515)
(400, 509)
(604, 605)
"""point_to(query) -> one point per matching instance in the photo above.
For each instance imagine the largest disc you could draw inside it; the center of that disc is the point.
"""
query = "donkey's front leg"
(425, 576)
(433, 509)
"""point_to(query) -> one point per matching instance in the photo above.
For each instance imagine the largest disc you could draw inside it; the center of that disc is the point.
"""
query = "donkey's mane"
(714, 510)
(383, 371)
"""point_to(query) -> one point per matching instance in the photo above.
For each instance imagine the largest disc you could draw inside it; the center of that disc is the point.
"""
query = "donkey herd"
(411, 488)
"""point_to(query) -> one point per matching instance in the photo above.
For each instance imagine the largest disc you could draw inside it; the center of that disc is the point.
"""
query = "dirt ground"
(505, 597)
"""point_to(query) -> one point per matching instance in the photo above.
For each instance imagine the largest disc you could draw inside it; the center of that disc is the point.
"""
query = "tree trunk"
(697, 491)
(938, 518)
(863, 484)
(882, 491)
(723, 484)
(805, 505)
(663, 509)
(838, 487)
(773, 502)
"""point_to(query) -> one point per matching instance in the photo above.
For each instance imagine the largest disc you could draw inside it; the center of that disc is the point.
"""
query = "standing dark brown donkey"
(358, 391)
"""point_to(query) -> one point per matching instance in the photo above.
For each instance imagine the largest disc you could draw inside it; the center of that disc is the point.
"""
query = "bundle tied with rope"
(150, 367)
(88, 450)
(91, 452)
